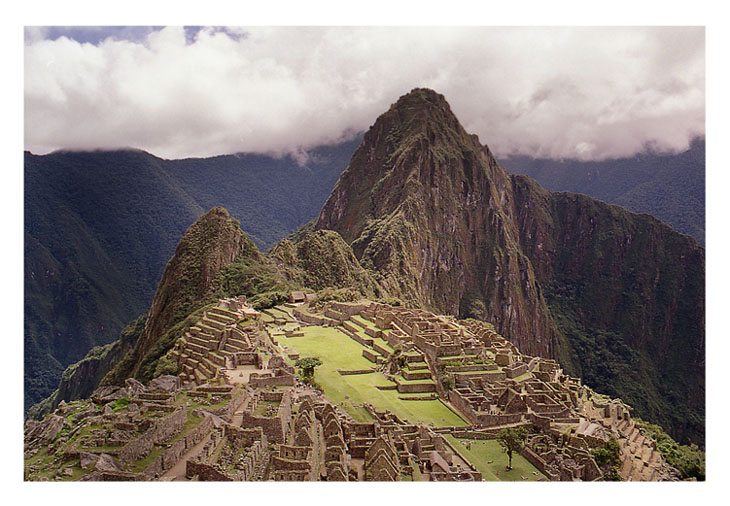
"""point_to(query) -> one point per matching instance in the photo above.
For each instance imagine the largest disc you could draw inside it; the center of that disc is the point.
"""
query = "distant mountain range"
(670, 187)
(100, 227)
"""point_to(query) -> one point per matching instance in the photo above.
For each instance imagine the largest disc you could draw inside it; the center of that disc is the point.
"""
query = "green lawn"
(337, 351)
(484, 451)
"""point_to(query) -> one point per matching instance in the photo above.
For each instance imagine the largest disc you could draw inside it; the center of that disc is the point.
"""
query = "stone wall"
(172, 455)
(416, 388)
(163, 430)
(204, 472)
(259, 381)
(349, 372)
(226, 412)
(370, 355)
(336, 315)
(313, 319)
(348, 309)
(489, 420)
(539, 463)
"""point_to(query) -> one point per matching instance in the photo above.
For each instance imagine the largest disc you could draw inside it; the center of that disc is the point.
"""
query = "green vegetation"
(512, 439)
(337, 351)
(150, 365)
(488, 457)
(670, 187)
(100, 227)
(608, 458)
(320, 259)
(306, 366)
(688, 459)
(120, 404)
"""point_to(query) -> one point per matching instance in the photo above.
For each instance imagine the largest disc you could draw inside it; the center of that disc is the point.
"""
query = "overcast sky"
(587, 93)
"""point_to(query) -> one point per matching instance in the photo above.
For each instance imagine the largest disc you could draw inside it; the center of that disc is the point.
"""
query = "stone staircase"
(209, 345)
(641, 461)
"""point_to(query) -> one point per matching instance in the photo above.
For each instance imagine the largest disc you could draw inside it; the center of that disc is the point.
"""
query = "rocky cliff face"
(430, 210)
(617, 297)
(628, 293)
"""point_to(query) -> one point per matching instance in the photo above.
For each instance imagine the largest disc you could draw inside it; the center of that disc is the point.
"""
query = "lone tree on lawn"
(512, 439)
(307, 365)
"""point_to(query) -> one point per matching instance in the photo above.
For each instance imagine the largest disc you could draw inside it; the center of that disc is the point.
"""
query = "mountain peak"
(214, 241)
(430, 209)
(422, 96)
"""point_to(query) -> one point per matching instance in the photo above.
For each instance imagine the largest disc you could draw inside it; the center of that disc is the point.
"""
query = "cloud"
(589, 93)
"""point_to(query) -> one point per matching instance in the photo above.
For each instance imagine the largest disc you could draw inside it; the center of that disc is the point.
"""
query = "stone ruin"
(496, 386)
(198, 426)
(226, 336)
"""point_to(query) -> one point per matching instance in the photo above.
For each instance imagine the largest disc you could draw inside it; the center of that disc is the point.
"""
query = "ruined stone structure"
(225, 337)
(203, 425)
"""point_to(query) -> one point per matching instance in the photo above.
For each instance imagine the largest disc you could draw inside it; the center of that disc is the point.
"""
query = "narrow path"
(177, 472)
(237, 417)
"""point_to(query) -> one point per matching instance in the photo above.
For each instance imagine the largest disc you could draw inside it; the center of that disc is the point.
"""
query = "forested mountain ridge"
(670, 187)
(100, 227)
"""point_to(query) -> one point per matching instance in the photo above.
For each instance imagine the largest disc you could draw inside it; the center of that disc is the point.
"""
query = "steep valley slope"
(616, 297)
(670, 187)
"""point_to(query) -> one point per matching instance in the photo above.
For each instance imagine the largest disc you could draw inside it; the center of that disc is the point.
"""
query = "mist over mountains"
(670, 187)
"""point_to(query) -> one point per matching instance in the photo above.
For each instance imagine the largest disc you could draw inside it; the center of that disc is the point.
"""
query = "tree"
(396, 361)
(306, 366)
(512, 439)
(608, 458)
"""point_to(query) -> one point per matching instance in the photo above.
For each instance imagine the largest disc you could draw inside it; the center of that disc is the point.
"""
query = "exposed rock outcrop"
(429, 209)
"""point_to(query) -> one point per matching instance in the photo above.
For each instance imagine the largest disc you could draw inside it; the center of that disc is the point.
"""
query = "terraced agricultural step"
(416, 375)
(646, 453)
(625, 469)
(200, 377)
(224, 312)
(231, 349)
(637, 471)
(200, 341)
(649, 473)
(239, 345)
(206, 329)
(223, 320)
(209, 322)
(206, 367)
(196, 354)
(414, 358)
(382, 350)
(654, 458)
(197, 348)
(212, 366)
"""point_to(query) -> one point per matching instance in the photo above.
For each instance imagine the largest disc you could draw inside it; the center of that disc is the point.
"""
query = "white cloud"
(580, 92)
